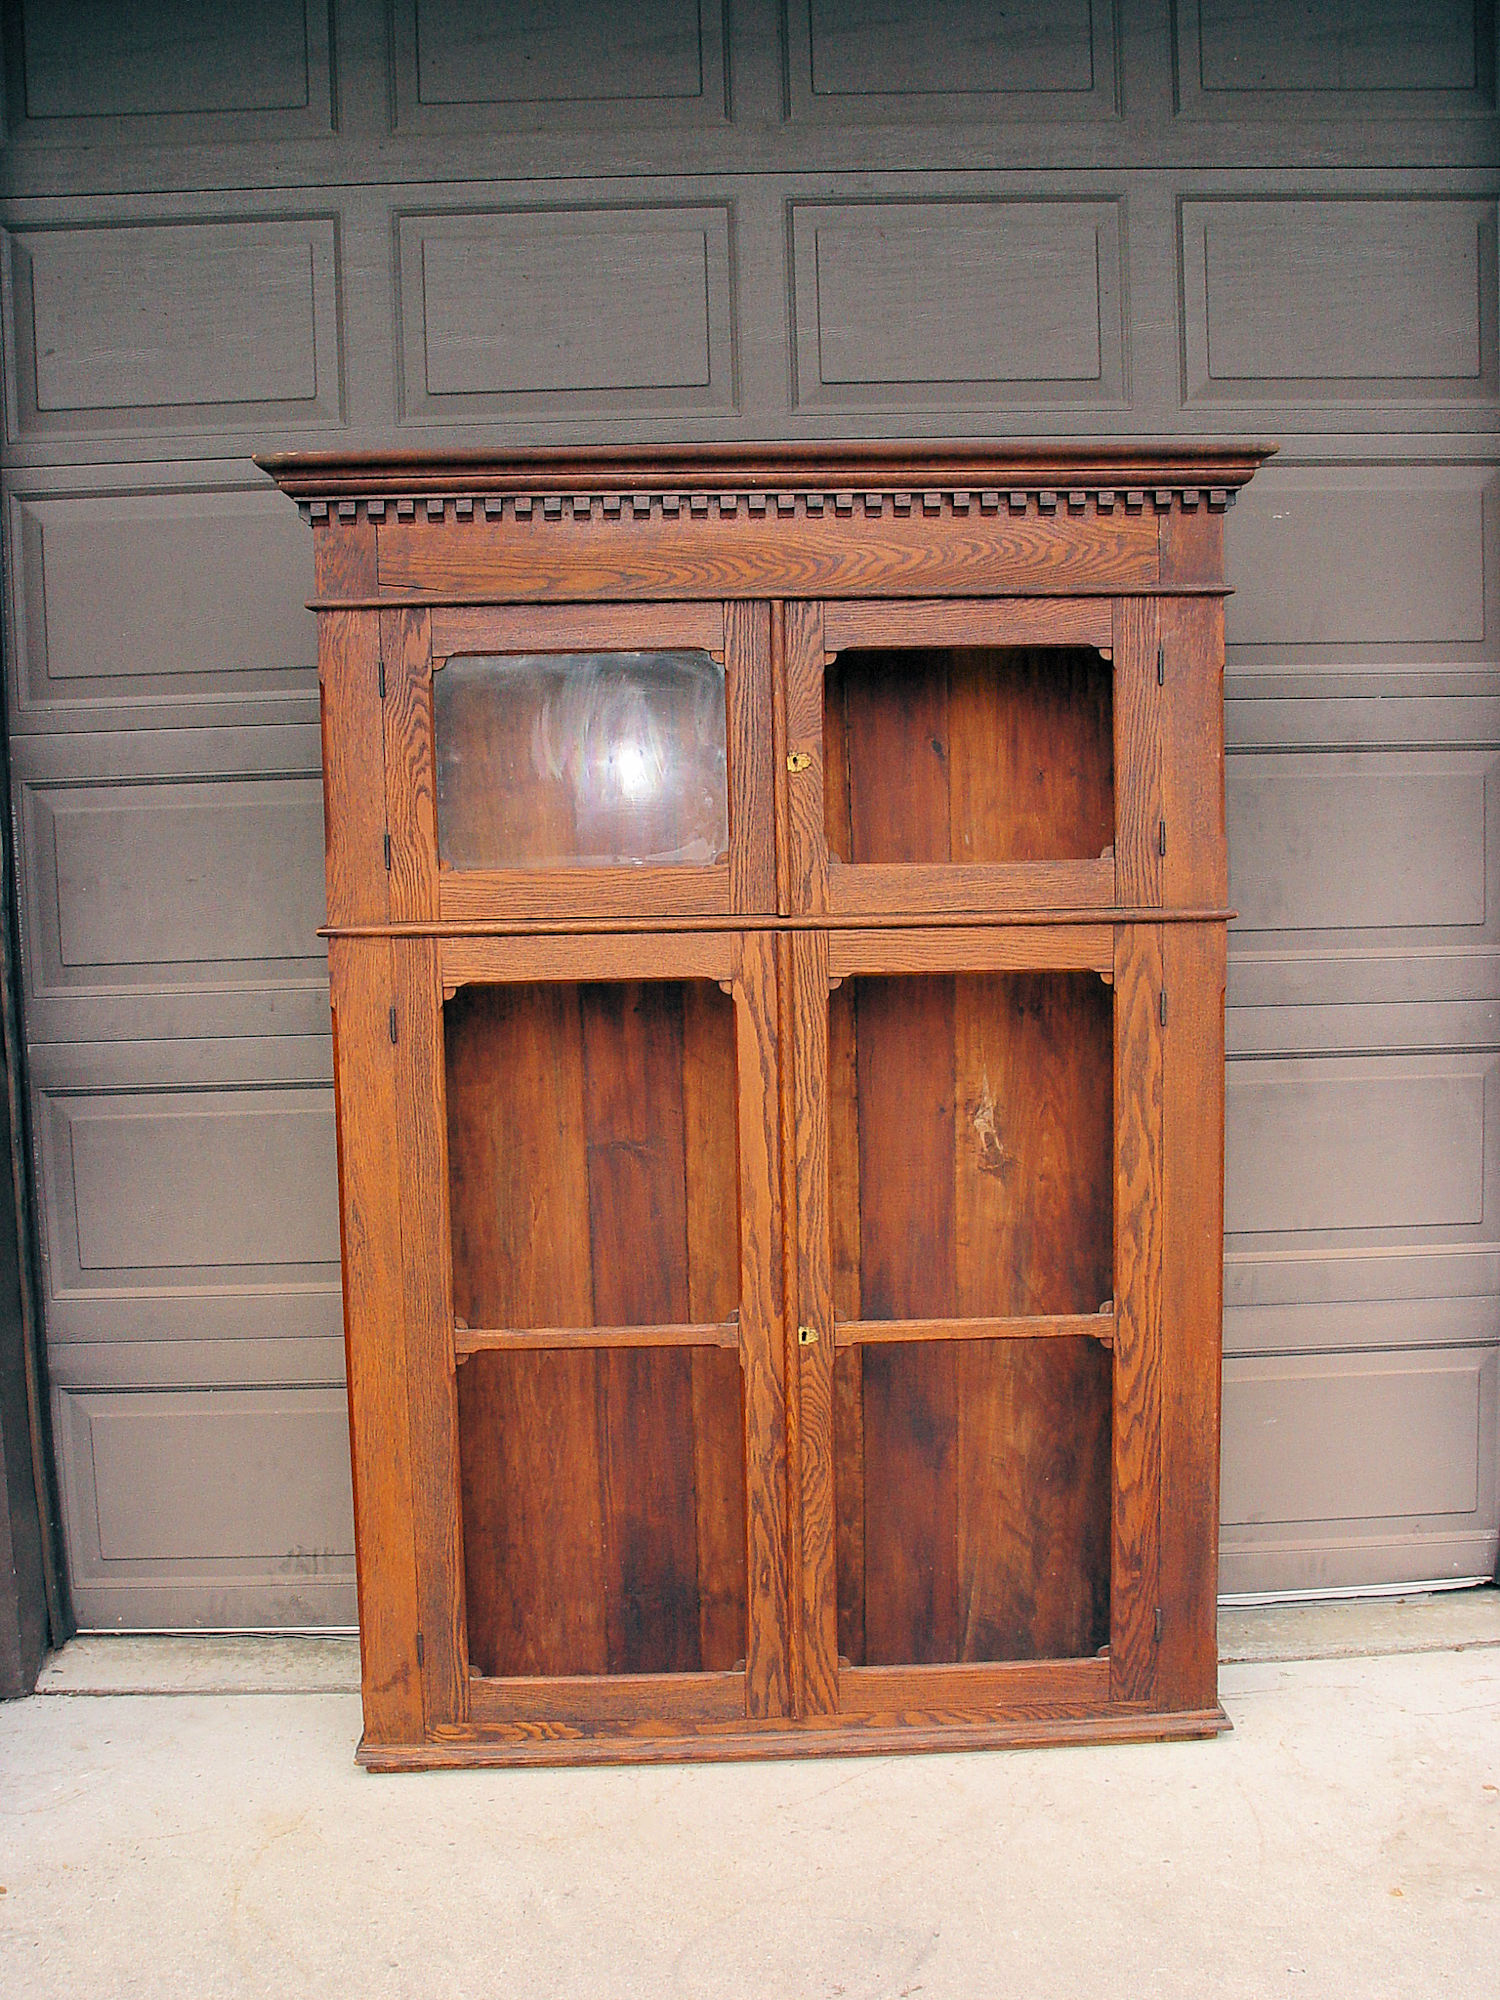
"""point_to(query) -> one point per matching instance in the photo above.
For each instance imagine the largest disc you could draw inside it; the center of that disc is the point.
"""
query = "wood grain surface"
(631, 1457)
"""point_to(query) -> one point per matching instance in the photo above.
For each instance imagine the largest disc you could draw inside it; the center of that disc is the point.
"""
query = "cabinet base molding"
(833, 1736)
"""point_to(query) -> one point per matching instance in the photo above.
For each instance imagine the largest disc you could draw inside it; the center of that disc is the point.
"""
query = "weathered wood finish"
(782, 1296)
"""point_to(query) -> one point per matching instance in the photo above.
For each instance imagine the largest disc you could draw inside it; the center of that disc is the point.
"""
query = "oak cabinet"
(776, 932)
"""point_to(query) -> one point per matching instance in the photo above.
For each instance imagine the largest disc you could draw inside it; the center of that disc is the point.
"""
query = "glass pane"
(563, 759)
(972, 1487)
(974, 754)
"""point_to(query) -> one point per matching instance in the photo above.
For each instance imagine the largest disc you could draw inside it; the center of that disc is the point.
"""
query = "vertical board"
(1195, 868)
(709, 1148)
(1138, 1256)
(428, 1319)
(1138, 754)
(814, 1311)
(374, 1302)
(410, 786)
(632, 1063)
(1193, 965)
(353, 767)
(532, 1500)
(768, 1689)
(907, 1270)
(807, 860)
(747, 694)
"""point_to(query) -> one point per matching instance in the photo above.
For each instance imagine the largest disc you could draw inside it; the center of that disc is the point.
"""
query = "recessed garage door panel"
(160, 604)
(234, 1502)
(1352, 1469)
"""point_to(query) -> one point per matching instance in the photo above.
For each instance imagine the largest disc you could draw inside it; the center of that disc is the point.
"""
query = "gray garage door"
(231, 229)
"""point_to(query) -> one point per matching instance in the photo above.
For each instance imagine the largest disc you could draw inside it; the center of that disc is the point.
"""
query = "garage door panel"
(196, 70)
(1277, 301)
(1288, 60)
(146, 606)
(458, 68)
(152, 326)
(950, 59)
(208, 1508)
(160, 901)
(1396, 1147)
(187, 1192)
(1360, 1456)
(545, 311)
(1368, 567)
(895, 304)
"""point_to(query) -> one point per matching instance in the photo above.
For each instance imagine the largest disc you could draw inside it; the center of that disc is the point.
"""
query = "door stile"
(763, 1221)
(806, 836)
(810, 1313)
(427, 1281)
(1135, 1597)
(748, 703)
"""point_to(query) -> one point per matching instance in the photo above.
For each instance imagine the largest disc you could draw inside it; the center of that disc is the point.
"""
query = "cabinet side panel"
(1138, 734)
(353, 767)
(1134, 1570)
(1192, 1312)
(1195, 868)
(425, 1252)
(374, 1305)
(410, 787)
(762, 1332)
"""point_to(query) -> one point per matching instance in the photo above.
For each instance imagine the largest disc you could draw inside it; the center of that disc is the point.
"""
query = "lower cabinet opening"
(593, 1185)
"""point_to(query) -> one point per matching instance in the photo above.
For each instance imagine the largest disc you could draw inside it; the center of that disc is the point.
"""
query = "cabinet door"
(967, 755)
(978, 1277)
(577, 760)
(611, 1233)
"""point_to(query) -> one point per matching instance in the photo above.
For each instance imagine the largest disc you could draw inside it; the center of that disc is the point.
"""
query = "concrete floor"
(1343, 1841)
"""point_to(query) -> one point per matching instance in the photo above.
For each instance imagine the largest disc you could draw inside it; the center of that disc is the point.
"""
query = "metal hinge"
(1161, 669)
(388, 850)
(1161, 838)
(1158, 1630)
(393, 1024)
(382, 680)
(419, 1645)
(1164, 1006)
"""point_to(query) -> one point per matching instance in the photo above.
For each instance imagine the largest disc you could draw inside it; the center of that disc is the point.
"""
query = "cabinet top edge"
(883, 466)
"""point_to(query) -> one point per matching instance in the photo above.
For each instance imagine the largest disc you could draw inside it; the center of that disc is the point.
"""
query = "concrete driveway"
(212, 1840)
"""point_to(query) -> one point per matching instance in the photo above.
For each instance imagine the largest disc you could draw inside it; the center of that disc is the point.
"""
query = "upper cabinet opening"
(968, 755)
(576, 759)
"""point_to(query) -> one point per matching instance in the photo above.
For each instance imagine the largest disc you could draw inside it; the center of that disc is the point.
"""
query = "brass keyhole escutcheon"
(798, 760)
(807, 1336)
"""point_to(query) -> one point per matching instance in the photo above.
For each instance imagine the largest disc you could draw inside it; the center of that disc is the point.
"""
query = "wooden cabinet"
(776, 929)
